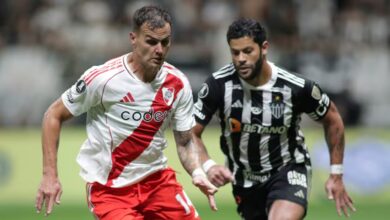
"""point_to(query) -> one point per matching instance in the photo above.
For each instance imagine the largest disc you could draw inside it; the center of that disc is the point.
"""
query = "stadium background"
(342, 44)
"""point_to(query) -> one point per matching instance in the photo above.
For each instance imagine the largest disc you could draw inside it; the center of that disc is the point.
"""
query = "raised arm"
(334, 135)
(189, 157)
(50, 190)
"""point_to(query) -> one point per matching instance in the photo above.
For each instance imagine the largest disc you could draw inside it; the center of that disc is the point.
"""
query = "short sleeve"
(83, 95)
(183, 117)
(207, 102)
(315, 102)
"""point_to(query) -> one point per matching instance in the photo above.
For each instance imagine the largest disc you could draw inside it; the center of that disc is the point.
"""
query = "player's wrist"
(198, 172)
(336, 169)
(208, 164)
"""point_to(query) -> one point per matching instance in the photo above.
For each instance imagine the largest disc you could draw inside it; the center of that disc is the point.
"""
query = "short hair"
(154, 16)
(247, 27)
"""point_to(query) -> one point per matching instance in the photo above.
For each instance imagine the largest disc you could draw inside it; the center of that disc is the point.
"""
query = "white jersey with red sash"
(126, 119)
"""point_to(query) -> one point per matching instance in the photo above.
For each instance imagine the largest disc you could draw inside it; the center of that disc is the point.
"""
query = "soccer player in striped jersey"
(130, 101)
(259, 106)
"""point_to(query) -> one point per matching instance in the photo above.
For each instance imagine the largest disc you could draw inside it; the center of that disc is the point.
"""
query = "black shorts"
(291, 183)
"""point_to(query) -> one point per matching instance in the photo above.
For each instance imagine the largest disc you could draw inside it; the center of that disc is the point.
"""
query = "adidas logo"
(127, 98)
(237, 104)
(299, 194)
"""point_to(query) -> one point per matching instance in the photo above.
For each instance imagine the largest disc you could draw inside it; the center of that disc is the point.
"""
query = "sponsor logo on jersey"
(198, 109)
(323, 105)
(157, 116)
(168, 95)
(295, 178)
(236, 126)
(199, 114)
(204, 91)
(80, 86)
(256, 176)
(256, 110)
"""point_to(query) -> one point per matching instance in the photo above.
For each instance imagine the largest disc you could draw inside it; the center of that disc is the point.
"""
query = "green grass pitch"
(22, 149)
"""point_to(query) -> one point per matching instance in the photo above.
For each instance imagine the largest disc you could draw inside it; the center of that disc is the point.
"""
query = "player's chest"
(135, 102)
(260, 111)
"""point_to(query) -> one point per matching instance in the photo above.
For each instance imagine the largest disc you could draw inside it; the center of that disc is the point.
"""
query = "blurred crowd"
(344, 45)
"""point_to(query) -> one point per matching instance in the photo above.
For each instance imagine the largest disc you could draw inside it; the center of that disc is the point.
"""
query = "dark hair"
(154, 16)
(247, 27)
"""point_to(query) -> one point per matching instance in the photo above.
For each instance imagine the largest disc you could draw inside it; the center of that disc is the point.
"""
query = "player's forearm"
(51, 127)
(201, 148)
(197, 137)
(334, 134)
(187, 151)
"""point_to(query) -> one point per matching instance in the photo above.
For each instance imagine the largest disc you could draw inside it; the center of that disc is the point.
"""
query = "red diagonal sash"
(140, 139)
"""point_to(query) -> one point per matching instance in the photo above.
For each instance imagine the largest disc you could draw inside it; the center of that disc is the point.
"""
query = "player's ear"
(132, 37)
(264, 47)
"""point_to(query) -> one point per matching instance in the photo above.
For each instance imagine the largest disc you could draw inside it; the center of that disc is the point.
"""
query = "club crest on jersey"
(168, 95)
(277, 109)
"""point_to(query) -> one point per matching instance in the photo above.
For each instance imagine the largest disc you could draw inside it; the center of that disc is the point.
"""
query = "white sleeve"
(80, 97)
(183, 117)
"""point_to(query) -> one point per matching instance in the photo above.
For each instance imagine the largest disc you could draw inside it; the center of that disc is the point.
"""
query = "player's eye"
(235, 52)
(247, 50)
(151, 42)
(165, 42)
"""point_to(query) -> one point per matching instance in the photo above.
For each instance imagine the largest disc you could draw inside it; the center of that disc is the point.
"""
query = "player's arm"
(189, 158)
(219, 175)
(49, 191)
(334, 135)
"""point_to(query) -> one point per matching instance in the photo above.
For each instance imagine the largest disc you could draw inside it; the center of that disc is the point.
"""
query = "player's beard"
(256, 70)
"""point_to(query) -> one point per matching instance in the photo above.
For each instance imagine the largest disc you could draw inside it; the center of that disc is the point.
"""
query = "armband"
(208, 164)
(336, 169)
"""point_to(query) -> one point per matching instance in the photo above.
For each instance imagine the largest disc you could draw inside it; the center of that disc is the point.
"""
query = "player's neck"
(263, 77)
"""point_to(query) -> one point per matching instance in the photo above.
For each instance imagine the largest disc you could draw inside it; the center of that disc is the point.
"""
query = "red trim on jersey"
(109, 65)
(97, 72)
(169, 66)
(142, 136)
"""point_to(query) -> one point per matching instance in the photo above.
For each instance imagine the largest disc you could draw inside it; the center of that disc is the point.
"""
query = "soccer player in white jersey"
(130, 101)
(259, 106)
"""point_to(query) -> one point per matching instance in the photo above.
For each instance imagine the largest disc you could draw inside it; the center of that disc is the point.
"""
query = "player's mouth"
(244, 69)
(158, 60)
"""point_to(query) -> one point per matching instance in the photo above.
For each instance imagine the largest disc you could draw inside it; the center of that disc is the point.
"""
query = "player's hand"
(219, 175)
(336, 191)
(49, 192)
(199, 179)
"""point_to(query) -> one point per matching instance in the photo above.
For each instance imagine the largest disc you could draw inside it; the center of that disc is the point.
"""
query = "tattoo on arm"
(334, 134)
(187, 151)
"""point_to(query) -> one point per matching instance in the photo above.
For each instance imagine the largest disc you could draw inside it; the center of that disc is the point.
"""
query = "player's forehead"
(242, 43)
(146, 30)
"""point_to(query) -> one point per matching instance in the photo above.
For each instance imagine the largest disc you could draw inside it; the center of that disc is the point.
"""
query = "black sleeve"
(208, 100)
(314, 101)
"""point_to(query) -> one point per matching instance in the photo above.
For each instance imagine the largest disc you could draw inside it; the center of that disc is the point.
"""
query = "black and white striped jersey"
(260, 125)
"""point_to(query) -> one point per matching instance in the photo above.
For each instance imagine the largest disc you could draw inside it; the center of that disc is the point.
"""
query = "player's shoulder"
(224, 73)
(101, 73)
(171, 69)
(291, 78)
